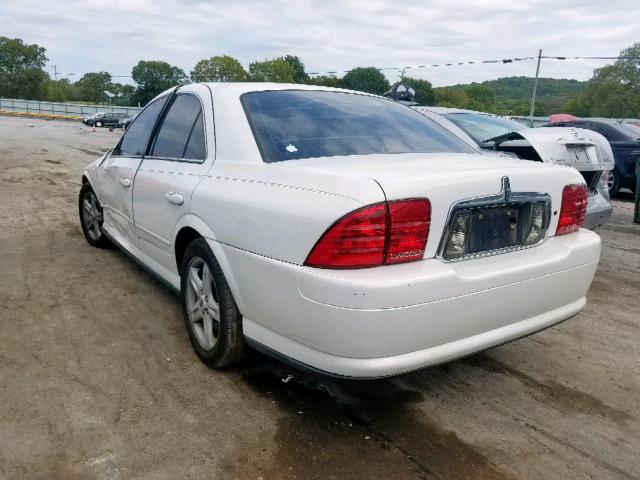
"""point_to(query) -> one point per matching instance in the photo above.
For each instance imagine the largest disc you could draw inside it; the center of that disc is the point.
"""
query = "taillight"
(573, 210)
(409, 228)
(383, 233)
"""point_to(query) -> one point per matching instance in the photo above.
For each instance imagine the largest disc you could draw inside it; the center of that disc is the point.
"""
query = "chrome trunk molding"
(504, 198)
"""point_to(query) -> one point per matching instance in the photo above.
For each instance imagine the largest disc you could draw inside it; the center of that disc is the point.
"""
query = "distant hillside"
(512, 95)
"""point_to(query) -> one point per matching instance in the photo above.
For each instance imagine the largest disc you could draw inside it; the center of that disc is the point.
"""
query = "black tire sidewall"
(230, 340)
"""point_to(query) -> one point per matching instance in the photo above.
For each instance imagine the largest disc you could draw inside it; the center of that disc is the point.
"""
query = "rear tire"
(211, 316)
(614, 183)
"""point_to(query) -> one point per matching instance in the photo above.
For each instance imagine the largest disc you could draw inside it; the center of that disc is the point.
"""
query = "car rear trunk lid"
(582, 149)
(448, 179)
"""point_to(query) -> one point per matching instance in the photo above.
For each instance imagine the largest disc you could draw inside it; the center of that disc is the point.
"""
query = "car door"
(118, 171)
(176, 162)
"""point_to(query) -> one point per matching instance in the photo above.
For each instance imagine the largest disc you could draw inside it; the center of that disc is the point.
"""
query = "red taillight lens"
(356, 240)
(573, 210)
(384, 233)
(409, 228)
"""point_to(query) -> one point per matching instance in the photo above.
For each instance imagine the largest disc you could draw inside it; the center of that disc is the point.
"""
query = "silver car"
(587, 151)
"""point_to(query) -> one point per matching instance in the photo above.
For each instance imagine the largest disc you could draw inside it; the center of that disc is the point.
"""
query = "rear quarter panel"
(274, 212)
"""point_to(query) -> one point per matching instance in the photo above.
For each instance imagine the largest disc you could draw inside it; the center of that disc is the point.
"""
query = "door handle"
(175, 198)
(125, 182)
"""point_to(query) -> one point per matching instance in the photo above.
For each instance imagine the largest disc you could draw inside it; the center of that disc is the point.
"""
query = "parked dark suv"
(625, 143)
(108, 119)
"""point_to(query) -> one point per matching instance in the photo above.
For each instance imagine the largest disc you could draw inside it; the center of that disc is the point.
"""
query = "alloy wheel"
(611, 180)
(92, 215)
(203, 308)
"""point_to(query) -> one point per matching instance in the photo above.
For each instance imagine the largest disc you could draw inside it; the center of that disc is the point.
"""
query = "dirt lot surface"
(98, 379)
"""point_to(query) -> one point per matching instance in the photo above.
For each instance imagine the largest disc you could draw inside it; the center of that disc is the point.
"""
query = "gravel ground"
(98, 380)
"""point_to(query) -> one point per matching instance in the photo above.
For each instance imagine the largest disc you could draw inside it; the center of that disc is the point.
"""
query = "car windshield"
(482, 127)
(294, 124)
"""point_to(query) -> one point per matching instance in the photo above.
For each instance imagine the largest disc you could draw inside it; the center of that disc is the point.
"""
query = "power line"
(591, 58)
(432, 65)
(493, 61)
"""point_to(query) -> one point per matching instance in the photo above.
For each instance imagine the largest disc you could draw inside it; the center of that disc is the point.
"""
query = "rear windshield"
(628, 131)
(294, 124)
(483, 128)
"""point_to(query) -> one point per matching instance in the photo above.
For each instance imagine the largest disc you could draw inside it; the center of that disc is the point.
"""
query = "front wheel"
(91, 217)
(98, 124)
(211, 315)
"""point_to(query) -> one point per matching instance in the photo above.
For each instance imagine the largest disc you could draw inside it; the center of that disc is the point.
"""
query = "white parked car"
(587, 151)
(339, 230)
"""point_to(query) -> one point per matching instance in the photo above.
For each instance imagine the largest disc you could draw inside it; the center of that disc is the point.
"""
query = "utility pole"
(535, 87)
(55, 72)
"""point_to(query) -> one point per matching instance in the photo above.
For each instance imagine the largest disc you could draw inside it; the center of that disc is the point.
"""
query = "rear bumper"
(389, 320)
(364, 368)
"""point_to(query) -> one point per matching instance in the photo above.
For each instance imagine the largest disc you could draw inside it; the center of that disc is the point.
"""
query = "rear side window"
(181, 134)
(294, 124)
(195, 146)
(134, 141)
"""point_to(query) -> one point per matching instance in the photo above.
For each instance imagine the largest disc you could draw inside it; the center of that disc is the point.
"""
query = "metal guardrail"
(59, 109)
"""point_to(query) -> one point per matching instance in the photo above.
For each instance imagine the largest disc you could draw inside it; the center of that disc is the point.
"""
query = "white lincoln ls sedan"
(338, 230)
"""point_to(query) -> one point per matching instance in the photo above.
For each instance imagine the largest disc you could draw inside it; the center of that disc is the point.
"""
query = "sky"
(113, 35)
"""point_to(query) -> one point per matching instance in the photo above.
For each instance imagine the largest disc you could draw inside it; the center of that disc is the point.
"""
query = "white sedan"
(338, 230)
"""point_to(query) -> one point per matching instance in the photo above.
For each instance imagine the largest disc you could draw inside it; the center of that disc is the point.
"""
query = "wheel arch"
(191, 227)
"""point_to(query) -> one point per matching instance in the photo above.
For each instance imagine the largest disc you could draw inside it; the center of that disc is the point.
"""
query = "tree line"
(614, 90)
(22, 75)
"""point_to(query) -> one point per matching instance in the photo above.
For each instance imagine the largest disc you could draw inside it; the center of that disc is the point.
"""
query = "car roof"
(238, 88)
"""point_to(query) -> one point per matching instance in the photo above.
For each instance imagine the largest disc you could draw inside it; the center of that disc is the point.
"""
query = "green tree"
(451, 97)
(614, 90)
(124, 94)
(93, 85)
(218, 69)
(424, 91)
(578, 106)
(368, 79)
(59, 90)
(325, 81)
(154, 77)
(275, 70)
(299, 74)
(481, 97)
(21, 69)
